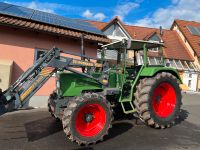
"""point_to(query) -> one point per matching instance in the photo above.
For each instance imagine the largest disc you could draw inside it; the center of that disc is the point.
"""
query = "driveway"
(36, 130)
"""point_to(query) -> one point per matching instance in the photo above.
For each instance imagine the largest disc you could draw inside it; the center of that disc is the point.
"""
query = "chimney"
(161, 31)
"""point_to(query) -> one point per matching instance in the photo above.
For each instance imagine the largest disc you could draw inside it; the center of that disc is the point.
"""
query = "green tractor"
(150, 91)
(88, 93)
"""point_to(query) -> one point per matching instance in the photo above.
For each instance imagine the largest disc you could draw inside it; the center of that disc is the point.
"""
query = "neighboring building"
(189, 32)
(175, 51)
(26, 33)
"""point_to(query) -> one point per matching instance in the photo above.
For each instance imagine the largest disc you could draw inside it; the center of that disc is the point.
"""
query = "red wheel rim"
(164, 100)
(90, 120)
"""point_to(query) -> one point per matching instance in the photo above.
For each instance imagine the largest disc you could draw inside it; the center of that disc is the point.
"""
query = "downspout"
(82, 50)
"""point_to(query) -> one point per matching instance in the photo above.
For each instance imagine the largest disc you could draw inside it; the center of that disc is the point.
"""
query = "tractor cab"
(128, 57)
(134, 52)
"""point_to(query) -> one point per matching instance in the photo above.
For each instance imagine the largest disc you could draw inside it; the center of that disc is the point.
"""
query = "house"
(25, 34)
(189, 32)
(176, 53)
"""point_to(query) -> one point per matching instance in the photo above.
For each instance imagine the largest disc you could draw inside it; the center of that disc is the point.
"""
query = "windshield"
(133, 53)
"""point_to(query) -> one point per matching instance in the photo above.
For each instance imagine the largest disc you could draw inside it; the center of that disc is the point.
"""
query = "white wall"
(193, 79)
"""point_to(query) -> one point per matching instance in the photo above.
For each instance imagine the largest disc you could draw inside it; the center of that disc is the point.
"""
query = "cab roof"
(133, 45)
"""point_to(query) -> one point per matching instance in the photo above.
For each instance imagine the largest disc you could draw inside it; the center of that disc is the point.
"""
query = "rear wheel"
(87, 119)
(158, 100)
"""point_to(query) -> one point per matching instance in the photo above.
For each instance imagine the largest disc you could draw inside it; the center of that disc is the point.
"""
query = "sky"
(148, 13)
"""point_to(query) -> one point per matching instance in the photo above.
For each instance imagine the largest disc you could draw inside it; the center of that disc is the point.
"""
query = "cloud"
(99, 16)
(48, 7)
(34, 5)
(90, 15)
(179, 9)
(87, 14)
(63, 9)
(124, 9)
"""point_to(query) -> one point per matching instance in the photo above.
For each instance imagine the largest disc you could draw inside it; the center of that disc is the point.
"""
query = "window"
(178, 63)
(141, 58)
(197, 68)
(38, 53)
(189, 83)
(109, 54)
(190, 65)
(158, 60)
(194, 30)
(156, 49)
(172, 63)
(155, 37)
(99, 53)
(110, 30)
(115, 31)
(118, 32)
(185, 66)
(152, 61)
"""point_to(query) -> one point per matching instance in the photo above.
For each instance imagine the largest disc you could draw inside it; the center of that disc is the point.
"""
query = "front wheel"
(158, 100)
(87, 119)
(52, 97)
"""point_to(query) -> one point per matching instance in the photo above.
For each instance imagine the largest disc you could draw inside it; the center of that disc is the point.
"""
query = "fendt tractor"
(90, 91)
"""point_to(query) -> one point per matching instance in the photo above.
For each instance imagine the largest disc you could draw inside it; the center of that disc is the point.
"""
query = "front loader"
(85, 100)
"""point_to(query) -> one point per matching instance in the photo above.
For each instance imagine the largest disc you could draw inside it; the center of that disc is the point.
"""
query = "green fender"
(152, 71)
(72, 84)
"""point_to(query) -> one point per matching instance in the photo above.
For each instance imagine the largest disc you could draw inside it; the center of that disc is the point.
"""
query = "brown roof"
(194, 40)
(42, 27)
(98, 24)
(174, 47)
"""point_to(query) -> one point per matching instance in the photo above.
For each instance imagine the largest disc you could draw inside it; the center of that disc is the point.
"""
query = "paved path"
(36, 130)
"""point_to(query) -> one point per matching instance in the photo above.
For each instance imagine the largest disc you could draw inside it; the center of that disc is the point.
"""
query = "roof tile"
(194, 40)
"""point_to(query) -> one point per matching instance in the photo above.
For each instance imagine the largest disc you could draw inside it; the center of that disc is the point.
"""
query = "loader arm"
(37, 75)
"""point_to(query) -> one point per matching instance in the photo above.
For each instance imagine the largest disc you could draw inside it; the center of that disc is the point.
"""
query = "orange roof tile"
(98, 24)
(194, 40)
(174, 47)
(41, 27)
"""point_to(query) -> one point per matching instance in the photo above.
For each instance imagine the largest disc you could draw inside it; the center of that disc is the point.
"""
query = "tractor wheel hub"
(88, 118)
(158, 98)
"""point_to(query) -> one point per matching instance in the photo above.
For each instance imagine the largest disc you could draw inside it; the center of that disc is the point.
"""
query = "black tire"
(72, 112)
(146, 89)
(52, 97)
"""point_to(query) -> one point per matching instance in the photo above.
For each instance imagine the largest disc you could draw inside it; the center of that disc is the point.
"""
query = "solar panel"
(18, 11)
(48, 18)
(4, 6)
(194, 30)
(64, 22)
